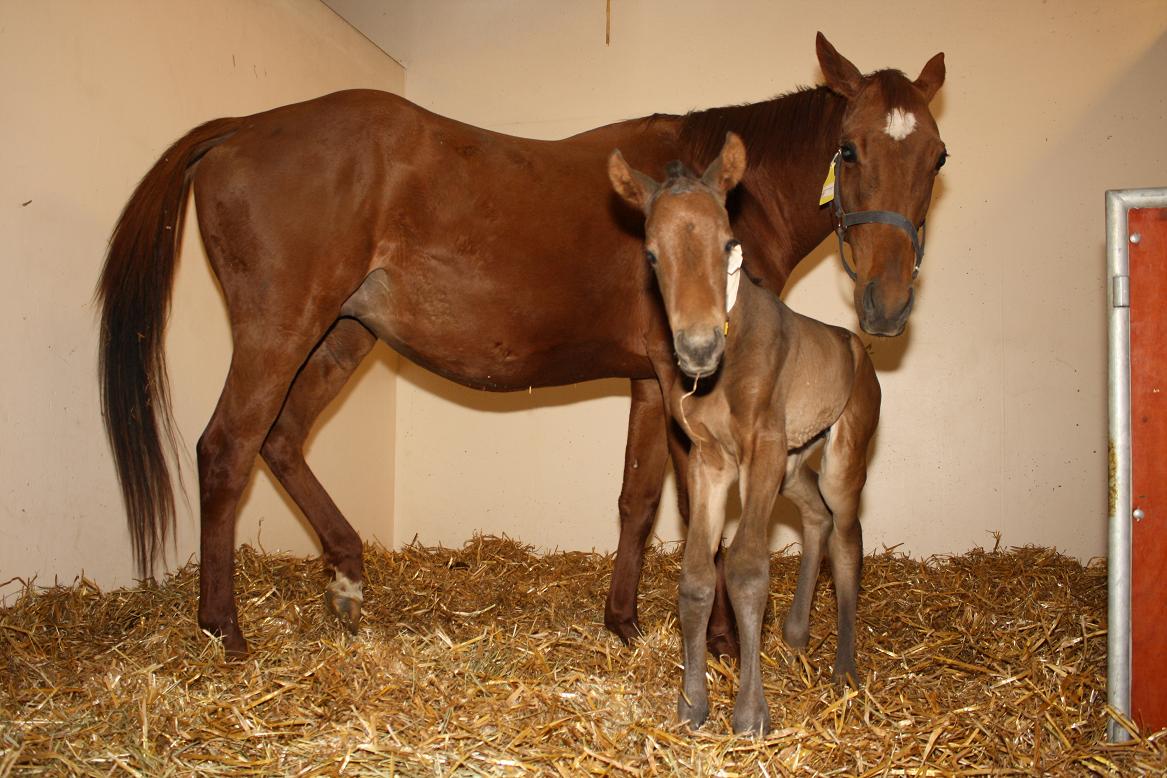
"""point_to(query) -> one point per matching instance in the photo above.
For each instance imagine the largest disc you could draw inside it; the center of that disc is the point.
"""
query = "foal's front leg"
(748, 576)
(710, 476)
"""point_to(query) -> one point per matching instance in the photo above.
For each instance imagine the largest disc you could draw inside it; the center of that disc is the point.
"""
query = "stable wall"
(994, 399)
(92, 94)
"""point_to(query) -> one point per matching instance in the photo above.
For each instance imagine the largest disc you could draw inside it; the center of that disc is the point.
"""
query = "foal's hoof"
(845, 675)
(755, 723)
(344, 599)
(692, 714)
(724, 645)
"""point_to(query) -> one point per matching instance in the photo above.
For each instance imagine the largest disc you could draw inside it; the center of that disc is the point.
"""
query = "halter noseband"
(844, 221)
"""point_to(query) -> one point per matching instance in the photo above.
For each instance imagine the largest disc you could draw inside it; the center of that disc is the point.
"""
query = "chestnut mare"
(497, 262)
(788, 385)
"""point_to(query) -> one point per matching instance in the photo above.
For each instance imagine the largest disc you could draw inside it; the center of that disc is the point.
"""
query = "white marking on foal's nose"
(900, 123)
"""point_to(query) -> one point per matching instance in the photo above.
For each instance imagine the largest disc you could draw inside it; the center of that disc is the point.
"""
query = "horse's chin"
(874, 320)
(698, 370)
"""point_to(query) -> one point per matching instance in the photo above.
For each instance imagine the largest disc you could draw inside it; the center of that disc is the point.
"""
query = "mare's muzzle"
(699, 350)
(876, 321)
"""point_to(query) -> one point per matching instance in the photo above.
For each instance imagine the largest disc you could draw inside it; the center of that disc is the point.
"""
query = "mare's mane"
(789, 126)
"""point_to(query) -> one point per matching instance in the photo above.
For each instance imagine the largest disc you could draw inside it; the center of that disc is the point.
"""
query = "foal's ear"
(727, 170)
(842, 76)
(632, 185)
(931, 77)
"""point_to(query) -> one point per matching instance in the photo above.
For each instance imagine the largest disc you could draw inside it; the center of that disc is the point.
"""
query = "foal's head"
(688, 243)
(889, 153)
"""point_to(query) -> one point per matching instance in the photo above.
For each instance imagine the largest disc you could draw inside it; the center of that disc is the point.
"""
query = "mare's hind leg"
(844, 472)
(645, 459)
(263, 365)
(801, 488)
(319, 381)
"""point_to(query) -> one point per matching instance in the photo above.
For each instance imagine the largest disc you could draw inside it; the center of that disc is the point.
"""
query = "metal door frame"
(1118, 670)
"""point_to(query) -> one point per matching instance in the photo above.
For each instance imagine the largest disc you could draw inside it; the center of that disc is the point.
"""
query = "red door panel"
(1148, 314)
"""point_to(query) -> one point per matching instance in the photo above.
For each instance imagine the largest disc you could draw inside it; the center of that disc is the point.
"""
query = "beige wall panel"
(93, 93)
(993, 401)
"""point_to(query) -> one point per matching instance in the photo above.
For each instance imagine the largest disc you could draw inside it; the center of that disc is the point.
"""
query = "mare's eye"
(729, 247)
(943, 158)
(848, 153)
(650, 257)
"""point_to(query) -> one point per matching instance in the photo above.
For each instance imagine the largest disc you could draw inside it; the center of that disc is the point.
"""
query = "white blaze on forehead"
(900, 123)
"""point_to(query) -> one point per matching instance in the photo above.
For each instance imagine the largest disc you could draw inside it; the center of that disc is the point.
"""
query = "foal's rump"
(821, 376)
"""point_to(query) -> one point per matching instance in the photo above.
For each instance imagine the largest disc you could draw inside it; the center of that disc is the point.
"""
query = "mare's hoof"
(627, 630)
(724, 645)
(693, 715)
(346, 608)
(234, 644)
(755, 723)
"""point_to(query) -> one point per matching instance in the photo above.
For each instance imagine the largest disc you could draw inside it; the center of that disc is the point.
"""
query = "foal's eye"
(848, 153)
(650, 257)
(943, 158)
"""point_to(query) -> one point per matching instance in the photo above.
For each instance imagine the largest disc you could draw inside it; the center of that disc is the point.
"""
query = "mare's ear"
(632, 185)
(727, 170)
(842, 76)
(931, 77)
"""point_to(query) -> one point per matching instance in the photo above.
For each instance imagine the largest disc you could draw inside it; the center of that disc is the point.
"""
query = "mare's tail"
(134, 295)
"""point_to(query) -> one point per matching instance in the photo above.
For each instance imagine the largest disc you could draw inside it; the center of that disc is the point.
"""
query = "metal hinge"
(1120, 291)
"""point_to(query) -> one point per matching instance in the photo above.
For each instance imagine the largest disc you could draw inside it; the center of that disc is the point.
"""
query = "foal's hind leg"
(844, 472)
(319, 381)
(801, 488)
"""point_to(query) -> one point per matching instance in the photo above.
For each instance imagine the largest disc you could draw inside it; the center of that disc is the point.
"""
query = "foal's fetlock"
(797, 636)
(344, 598)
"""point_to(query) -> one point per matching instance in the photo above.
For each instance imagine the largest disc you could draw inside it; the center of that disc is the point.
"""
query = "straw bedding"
(491, 659)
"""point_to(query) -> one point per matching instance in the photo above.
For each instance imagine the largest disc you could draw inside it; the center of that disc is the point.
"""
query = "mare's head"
(688, 243)
(889, 153)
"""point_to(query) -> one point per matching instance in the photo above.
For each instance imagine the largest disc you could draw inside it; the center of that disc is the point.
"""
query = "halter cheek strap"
(844, 221)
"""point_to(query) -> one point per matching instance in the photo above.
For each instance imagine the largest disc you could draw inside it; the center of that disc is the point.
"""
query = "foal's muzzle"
(699, 351)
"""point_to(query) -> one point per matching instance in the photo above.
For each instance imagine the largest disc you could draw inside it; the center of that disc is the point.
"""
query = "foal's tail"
(134, 295)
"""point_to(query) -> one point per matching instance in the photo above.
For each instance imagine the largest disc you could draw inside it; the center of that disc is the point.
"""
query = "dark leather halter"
(844, 221)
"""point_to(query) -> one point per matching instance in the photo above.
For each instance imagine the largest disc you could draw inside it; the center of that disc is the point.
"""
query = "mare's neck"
(790, 141)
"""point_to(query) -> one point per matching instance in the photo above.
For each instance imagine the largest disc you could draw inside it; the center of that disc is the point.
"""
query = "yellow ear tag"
(725, 330)
(828, 193)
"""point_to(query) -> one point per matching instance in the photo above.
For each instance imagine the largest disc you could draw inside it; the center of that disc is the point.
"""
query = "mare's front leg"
(747, 569)
(328, 369)
(645, 460)
(710, 476)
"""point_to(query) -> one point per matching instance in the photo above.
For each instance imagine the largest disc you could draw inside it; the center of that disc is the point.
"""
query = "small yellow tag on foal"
(725, 329)
(828, 193)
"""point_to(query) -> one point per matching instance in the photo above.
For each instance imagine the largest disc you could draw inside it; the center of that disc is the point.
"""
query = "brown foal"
(787, 386)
